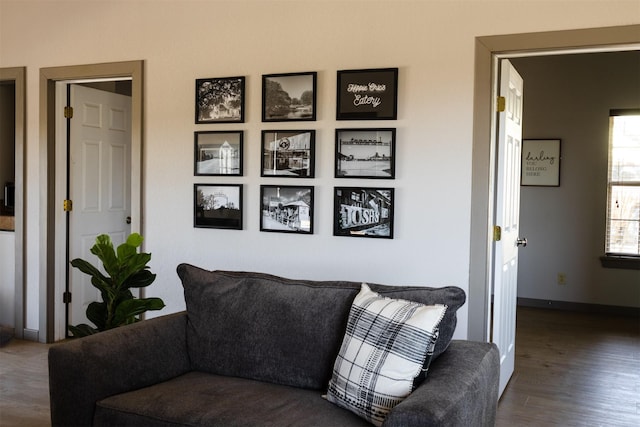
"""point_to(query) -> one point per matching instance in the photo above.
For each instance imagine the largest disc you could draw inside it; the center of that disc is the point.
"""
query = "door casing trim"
(48, 197)
(488, 50)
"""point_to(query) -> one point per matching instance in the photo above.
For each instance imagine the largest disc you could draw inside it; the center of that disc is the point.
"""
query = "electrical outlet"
(562, 279)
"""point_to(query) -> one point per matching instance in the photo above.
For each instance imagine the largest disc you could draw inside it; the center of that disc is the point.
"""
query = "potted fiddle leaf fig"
(125, 268)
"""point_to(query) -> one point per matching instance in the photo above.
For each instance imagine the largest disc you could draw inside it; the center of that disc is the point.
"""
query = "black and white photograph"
(288, 153)
(218, 153)
(286, 208)
(370, 94)
(363, 212)
(218, 206)
(220, 100)
(365, 153)
(289, 97)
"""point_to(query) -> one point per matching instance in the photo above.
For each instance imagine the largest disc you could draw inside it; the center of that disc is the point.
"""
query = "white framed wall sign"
(541, 162)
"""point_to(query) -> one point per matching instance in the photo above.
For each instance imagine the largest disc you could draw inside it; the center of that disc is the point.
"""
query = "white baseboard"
(30, 334)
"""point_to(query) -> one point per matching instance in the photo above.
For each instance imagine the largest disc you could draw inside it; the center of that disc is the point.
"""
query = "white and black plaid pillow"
(386, 347)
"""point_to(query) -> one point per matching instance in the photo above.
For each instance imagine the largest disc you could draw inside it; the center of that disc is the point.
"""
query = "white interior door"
(99, 183)
(507, 212)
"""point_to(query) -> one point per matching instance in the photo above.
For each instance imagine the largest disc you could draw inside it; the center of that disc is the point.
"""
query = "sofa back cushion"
(268, 328)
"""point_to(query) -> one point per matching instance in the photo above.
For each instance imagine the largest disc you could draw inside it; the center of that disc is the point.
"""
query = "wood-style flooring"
(24, 385)
(572, 369)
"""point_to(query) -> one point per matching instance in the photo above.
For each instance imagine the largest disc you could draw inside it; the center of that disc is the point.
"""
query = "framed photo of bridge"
(289, 97)
(363, 212)
(365, 153)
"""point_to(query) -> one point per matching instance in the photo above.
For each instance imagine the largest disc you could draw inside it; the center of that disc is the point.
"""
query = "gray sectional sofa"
(253, 349)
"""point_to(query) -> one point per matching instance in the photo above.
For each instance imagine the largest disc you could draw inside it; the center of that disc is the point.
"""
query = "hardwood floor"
(24, 386)
(572, 369)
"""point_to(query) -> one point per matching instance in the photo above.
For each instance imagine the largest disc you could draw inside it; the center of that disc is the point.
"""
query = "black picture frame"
(365, 153)
(368, 94)
(363, 212)
(220, 100)
(541, 162)
(217, 206)
(218, 153)
(289, 97)
(288, 153)
(286, 209)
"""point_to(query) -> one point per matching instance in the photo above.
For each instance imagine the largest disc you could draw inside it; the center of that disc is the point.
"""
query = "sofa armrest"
(461, 389)
(85, 370)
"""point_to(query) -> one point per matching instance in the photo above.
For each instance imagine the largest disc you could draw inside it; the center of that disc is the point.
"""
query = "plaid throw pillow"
(386, 347)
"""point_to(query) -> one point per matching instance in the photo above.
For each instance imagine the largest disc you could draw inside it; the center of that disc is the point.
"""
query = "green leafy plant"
(126, 269)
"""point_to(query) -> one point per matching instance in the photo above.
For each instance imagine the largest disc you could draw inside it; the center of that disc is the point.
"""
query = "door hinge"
(68, 112)
(67, 205)
(66, 297)
(502, 104)
(497, 233)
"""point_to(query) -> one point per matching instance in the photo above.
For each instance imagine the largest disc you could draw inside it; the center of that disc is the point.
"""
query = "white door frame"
(488, 51)
(53, 187)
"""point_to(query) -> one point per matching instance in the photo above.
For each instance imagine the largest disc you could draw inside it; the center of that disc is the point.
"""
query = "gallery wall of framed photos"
(286, 152)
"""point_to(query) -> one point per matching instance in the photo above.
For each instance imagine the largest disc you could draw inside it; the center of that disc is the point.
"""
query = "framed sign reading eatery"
(289, 97)
(218, 153)
(220, 100)
(286, 209)
(367, 94)
(217, 206)
(365, 153)
(541, 162)
(363, 212)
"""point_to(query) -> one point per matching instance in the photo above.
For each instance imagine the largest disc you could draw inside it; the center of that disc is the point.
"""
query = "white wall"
(569, 97)
(432, 43)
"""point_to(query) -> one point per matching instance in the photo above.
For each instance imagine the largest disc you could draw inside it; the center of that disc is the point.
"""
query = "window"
(623, 199)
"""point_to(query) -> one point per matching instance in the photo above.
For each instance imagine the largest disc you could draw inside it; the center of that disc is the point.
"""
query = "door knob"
(521, 241)
(128, 220)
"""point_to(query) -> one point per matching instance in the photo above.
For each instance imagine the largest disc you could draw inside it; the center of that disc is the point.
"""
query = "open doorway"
(54, 182)
(12, 235)
(569, 99)
(489, 50)
(567, 102)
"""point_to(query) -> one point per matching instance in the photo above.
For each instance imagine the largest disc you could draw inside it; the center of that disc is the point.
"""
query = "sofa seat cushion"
(284, 331)
(202, 399)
